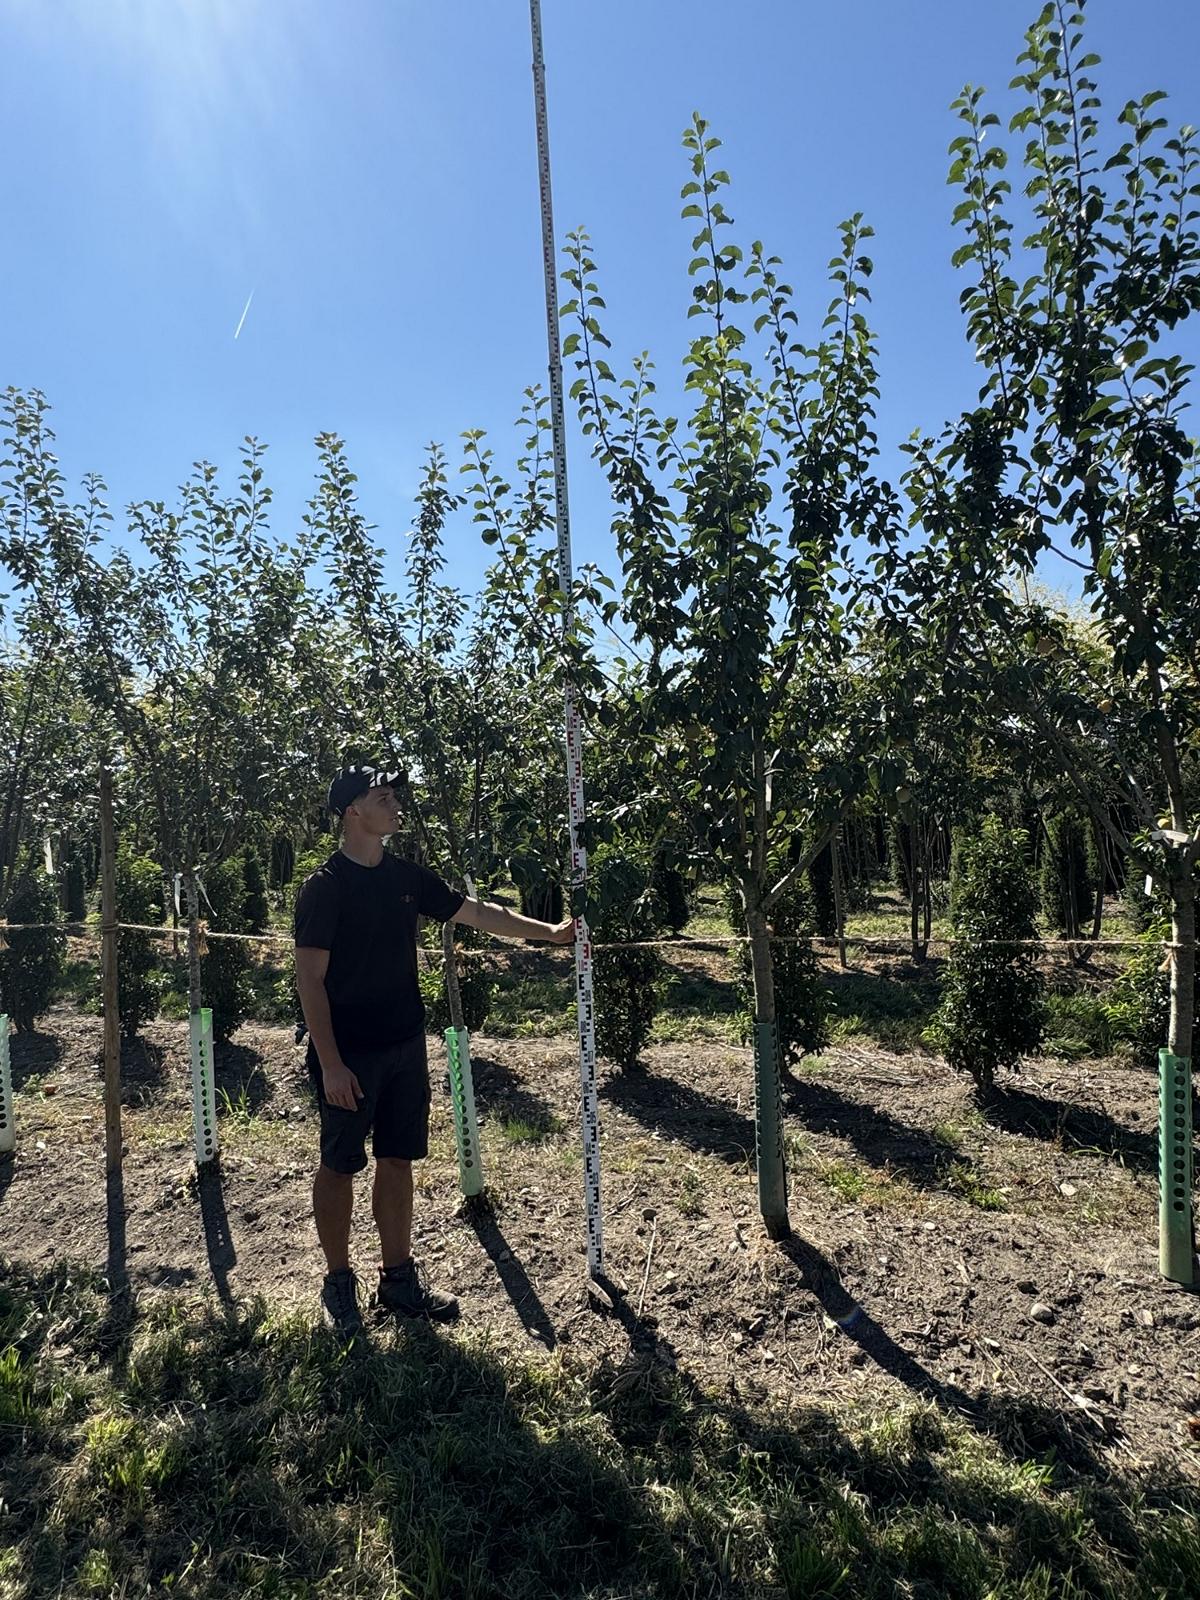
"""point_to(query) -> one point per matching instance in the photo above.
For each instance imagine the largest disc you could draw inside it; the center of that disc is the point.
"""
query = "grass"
(691, 1194)
(527, 1130)
(892, 1012)
(244, 1454)
(1076, 1026)
(846, 1180)
(948, 1134)
(963, 1180)
(532, 1007)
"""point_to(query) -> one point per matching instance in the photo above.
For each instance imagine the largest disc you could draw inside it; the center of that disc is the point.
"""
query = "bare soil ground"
(926, 1233)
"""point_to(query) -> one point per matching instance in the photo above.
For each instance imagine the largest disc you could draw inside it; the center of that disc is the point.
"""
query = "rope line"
(866, 940)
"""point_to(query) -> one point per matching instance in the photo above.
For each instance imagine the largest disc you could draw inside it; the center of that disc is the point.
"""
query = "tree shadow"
(501, 1092)
(238, 1070)
(877, 1136)
(143, 1071)
(623, 1477)
(892, 1005)
(33, 1055)
(118, 1322)
(218, 1240)
(692, 990)
(1030, 1115)
(686, 1115)
(517, 1285)
(1022, 1427)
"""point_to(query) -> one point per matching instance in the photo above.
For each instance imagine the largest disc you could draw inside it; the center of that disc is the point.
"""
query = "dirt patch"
(926, 1233)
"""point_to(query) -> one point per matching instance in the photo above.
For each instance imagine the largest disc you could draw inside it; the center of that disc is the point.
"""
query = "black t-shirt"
(366, 917)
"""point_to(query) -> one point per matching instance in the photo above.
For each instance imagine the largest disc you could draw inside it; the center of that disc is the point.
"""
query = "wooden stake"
(108, 967)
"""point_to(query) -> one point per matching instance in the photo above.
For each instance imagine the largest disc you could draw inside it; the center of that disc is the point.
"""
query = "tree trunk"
(768, 1098)
(914, 897)
(453, 991)
(1101, 880)
(108, 961)
(839, 899)
(192, 896)
(1183, 968)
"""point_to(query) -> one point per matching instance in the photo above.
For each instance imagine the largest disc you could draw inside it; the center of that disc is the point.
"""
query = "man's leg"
(402, 1137)
(392, 1203)
(333, 1199)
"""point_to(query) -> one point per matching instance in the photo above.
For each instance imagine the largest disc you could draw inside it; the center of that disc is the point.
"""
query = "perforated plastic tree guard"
(8, 1128)
(204, 1089)
(1176, 1244)
(462, 1097)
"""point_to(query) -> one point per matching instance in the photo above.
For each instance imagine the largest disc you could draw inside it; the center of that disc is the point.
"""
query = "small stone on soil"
(1038, 1312)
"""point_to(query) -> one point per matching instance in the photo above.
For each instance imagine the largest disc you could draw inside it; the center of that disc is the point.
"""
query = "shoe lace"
(412, 1272)
(345, 1293)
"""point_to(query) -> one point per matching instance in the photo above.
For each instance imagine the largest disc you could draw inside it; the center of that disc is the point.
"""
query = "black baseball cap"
(351, 782)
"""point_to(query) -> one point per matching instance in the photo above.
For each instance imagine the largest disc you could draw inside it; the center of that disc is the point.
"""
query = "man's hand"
(341, 1087)
(489, 918)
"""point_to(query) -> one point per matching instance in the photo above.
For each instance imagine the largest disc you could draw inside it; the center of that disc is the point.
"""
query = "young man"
(356, 972)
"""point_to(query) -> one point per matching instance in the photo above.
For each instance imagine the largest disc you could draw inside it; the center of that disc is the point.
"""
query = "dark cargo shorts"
(394, 1109)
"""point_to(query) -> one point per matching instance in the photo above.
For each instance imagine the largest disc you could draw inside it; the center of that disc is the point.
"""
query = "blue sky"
(366, 168)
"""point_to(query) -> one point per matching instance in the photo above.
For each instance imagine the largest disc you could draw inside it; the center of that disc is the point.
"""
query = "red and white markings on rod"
(576, 808)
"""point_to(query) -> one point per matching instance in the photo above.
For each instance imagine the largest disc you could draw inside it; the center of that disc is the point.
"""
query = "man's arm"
(490, 918)
(341, 1086)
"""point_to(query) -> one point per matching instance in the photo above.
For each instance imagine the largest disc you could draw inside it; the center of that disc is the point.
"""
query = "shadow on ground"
(517, 1285)
(425, 1454)
(33, 1055)
(679, 1112)
(1072, 1126)
(892, 1005)
(238, 1072)
(501, 1093)
(144, 1073)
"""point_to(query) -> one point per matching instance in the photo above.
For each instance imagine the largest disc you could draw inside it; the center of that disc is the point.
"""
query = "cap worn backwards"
(353, 782)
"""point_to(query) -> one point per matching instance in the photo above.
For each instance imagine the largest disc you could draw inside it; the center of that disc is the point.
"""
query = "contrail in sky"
(242, 318)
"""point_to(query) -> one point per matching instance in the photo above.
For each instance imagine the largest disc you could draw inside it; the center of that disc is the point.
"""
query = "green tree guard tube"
(772, 1176)
(1176, 1243)
(8, 1128)
(204, 1088)
(466, 1127)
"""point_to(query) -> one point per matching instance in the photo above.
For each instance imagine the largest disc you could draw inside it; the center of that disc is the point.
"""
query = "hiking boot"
(339, 1296)
(404, 1291)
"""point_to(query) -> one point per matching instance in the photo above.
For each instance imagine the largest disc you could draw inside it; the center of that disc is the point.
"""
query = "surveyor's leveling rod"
(575, 798)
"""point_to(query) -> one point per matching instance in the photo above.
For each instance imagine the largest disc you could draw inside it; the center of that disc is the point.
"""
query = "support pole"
(466, 1125)
(574, 739)
(8, 1126)
(108, 977)
(1176, 1245)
